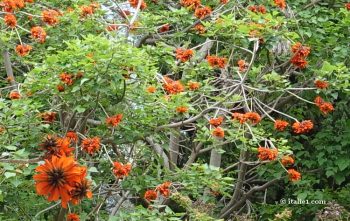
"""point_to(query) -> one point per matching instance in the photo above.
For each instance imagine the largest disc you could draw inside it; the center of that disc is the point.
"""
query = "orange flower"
(190, 3)
(60, 88)
(300, 53)
(11, 5)
(134, 3)
(151, 89)
(164, 28)
(302, 127)
(29, 1)
(280, 3)
(281, 125)
(23, 50)
(172, 87)
(38, 33)
(184, 54)
(86, 10)
(72, 136)
(202, 12)
(267, 153)
(242, 65)
(321, 84)
(215, 61)
(287, 160)
(164, 189)
(199, 28)
(223, 2)
(58, 147)
(56, 177)
(150, 195)
(91, 145)
(114, 120)
(181, 109)
(256, 9)
(112, 27)
(347, 6)
(14, 95)
(81, 189)
(48, 117)
(193, 85)
(301, 50)
(216, 121)
(325, 107)
(218, 132)
(294, 175)
(253, 117)
(10, 20)
(318, 101)
(121, 170)
(50, 17)
(66, 78)
(72, 217)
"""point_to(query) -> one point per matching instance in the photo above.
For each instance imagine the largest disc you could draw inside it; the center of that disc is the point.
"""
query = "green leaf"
(10, 147)
(9, 174)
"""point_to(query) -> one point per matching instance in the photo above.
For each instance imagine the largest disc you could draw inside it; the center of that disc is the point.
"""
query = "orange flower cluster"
(267, 153)
(199, 28)
(193, 85)
(73, 217)
(48, 117)
(91, 145)
(281, 125)
(242, 65)
(14, 95)
(72, 136)
(66, 78)
(253, 117)
(38, 33)
(62, 178)
(171, 86)
(50, 17)
(10, 20)
(181, 109)
(294, 175)
(112, 27)
(216, 121)
(281, 4)
(300, 54)
(218, 132)
(302, 127)
(164, 28)
(287, 160)
(163, 189)
(121, 170)
(151, 89)
(88, 9)
(215, 61)
(114, 120)
(60, 88)
(347, 6)
(23, 50)
(134, 3)
(56, 146)
(190, 3)
(11, 5)
(184, 54)
(321, 84)
(325, 107)
(257, 9)
(202, 12)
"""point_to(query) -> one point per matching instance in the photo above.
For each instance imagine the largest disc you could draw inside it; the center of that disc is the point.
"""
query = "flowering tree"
(156, 110)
